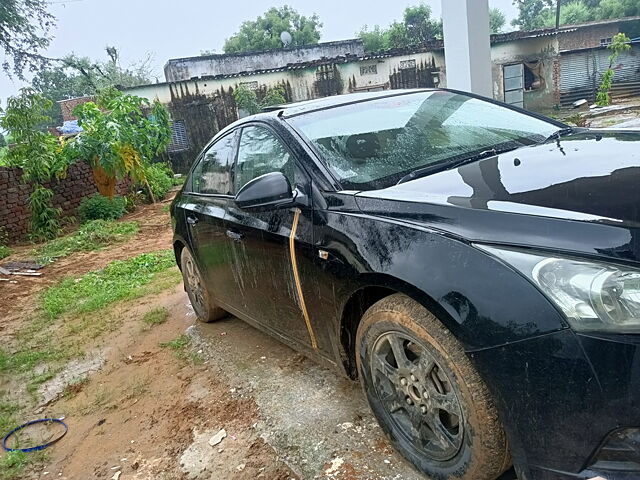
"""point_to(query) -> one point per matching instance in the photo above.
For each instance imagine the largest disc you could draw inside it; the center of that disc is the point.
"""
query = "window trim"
(240, 129)
(200, 157)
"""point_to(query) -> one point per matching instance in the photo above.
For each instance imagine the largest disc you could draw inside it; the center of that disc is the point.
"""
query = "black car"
(476, 266)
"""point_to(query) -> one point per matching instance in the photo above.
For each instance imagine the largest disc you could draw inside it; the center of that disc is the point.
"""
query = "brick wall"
(587, 37)
(68, 193)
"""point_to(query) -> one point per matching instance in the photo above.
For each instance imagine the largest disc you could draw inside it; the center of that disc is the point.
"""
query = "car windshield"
(374, 144)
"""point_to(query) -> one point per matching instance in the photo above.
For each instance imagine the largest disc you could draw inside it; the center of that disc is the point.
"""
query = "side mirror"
(267, 191)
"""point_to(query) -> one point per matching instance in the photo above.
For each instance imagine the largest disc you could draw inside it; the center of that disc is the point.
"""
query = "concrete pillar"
(467, 46)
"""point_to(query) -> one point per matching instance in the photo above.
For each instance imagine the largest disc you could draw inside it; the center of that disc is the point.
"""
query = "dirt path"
(17, 299)
(141, 411)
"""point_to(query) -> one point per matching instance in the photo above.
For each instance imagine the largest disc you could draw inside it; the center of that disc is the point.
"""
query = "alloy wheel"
(195, 285)
(417, 395)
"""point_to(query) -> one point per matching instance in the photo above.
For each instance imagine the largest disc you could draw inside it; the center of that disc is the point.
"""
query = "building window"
(407, 64)
(250, 85)
(533, 76)
(606, 41)
(324, 74)
(179, 139)
(368, 69)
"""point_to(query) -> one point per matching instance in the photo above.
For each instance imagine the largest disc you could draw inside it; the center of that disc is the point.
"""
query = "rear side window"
(212, 175)
(262, 152)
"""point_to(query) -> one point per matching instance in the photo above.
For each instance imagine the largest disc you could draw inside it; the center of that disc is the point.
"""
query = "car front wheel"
(206, 310)
(426, 394)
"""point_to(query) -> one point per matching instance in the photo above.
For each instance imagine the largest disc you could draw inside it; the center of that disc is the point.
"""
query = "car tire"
(206, 310)
(427, 396)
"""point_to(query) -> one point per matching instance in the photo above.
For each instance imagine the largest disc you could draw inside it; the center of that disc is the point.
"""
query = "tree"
(575, 12)
(497, 20)
(122, 135)
(264, 32)
(247, 99)
(617, 8)
(533, 14)
(542, 13)
(416, 28)
(374, 40)
(3, 141)
(620, 43)
(38, 154)
(80, 76)
(419, 26)
(25, 27)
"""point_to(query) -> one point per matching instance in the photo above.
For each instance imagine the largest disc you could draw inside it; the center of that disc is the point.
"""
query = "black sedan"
(477, 267)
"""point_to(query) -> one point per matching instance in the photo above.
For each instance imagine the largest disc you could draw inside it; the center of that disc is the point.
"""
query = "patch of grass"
(4, 251)
(26, 359)
(181, 346)
(8, 420)
(178, 344)
(92, 235)
(12, 464)
(120, 280)
(156, 316)
(37, 380)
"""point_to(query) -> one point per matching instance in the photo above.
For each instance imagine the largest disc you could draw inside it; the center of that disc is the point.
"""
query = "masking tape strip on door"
(296, 278)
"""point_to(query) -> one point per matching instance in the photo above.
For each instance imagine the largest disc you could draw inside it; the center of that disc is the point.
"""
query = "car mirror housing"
(268, 191)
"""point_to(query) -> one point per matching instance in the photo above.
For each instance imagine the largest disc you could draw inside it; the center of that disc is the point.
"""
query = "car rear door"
(262, 242)
(210, 193)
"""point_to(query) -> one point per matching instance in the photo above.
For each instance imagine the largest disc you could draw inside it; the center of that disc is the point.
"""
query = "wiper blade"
(441, 166)
(560, 133)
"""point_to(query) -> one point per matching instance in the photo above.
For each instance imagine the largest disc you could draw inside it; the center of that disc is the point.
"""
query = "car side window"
(213, 174)
(260, 152)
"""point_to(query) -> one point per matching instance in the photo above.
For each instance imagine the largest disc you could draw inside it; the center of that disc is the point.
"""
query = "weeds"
(92, 235)
(181, 349)
(156, 316)
(120, 280)
(4, 251)
(12, 464)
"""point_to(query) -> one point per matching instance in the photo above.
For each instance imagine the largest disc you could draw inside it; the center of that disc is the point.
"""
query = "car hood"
(592, 176)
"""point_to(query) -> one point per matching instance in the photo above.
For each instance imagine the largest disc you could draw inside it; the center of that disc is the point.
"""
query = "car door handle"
(192, 220)
(235, 236)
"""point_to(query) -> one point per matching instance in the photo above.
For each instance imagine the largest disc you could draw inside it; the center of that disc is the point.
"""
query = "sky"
(172, 29)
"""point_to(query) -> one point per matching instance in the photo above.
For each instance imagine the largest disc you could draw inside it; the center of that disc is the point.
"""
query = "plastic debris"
(217, 438)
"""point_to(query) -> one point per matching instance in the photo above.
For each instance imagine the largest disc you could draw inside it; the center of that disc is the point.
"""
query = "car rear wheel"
(426, 394)
(206, 310)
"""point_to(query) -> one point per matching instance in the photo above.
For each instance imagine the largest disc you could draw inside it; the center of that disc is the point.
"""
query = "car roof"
(299, 108)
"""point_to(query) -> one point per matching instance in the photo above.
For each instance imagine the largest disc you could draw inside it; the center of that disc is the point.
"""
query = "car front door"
(209, 197)
(264, 244)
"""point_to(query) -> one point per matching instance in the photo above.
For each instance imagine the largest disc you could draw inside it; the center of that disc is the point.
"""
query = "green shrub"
(160, 178)
(4, 251)
(99, 207)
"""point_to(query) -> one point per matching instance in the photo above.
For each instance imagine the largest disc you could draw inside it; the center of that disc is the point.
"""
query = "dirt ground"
(148, 414)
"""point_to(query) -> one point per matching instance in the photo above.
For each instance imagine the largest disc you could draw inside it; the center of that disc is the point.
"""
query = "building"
(537, 70)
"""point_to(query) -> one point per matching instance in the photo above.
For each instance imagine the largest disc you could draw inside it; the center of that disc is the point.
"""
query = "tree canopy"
(497, 20)
(264, 32)
(25, 30)
(80, 76)
(535, 14)
(417, 27)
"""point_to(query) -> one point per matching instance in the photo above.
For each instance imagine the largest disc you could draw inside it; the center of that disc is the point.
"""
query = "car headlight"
(594, 296)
